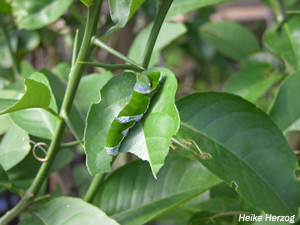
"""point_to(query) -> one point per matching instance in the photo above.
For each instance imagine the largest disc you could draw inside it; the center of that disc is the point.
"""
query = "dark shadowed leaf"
(132, 196)
(230, 39)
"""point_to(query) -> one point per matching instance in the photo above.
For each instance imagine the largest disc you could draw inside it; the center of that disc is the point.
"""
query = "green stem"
(114, 66)
(75, 48)
(16, 67)
(160, 17)
(177, 142)
(69, 144)
(70, 125)
(96, 41)
(95, 185)
(278, 10)
(74, 78)
(48, 109)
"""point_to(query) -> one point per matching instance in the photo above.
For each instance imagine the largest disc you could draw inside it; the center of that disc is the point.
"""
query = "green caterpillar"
(146, 86)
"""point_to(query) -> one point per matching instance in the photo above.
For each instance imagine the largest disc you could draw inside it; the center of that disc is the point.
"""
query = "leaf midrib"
(198, 131)
(156, 201)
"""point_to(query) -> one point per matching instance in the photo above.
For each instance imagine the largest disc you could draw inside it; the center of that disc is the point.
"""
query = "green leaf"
(12, 148)
(5, 121)
(38, 122)
(180, 7)
(285, 109)
(88, 92)
(37, 95)
(26, 69)
(264, 58)
(5, 59)
(58, 89)
(168, 33)
(284, 41)
(182, 213)
(21, 42)
(62, 71)
(32, 14)
(67, 211)
(146, 138)
(122, 11)
(132, 196)
(247, 149)
(251, 82)
(4, 180)
(5, 8)
(27, 40)
(229, 38)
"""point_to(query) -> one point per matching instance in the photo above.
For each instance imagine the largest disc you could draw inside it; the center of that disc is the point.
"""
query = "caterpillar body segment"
(146, 86)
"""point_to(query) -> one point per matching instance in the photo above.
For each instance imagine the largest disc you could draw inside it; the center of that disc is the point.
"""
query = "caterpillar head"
(148, 84)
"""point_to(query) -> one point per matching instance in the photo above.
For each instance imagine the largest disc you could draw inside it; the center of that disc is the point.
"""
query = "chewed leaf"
(114, 95)
(37, 95)
(149, 139)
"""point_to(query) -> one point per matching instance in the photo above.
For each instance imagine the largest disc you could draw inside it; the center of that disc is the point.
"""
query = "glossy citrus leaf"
(229, 38)
(284, 41)
(285, 109)
(251, 82)
(31, 14)
(37, 121)
(131, 195)
(68, 211)
(13, 148)
(168, 33)
(247, 149)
